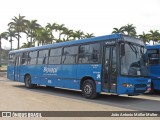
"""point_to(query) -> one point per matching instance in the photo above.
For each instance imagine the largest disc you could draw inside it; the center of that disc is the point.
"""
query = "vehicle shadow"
(128, 102)
(155, 93)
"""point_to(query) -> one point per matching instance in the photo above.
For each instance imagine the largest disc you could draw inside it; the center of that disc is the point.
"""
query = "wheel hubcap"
(88, 89)
(27, 81)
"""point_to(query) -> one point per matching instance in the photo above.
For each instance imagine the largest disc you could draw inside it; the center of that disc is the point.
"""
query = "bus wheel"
(89, 89)
(152, 88)
(28, 83)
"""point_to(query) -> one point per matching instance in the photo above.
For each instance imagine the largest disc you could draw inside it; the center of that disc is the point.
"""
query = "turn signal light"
(124, 84)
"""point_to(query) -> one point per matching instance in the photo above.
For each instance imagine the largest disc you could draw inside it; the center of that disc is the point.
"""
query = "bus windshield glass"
(133, 60)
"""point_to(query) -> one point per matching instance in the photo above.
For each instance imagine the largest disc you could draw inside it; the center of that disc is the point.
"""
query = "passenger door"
(109, 81)
(17, 68)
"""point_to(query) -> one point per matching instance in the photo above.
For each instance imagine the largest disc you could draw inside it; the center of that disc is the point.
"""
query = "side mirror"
(122, 49)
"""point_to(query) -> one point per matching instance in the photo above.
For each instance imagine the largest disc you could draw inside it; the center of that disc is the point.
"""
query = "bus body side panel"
(155, 70)
(10, 72)
(68, 76)
(52, 72)
(90, 70)
(156, 83)
(32, 71)
(137, 85)
(155, 76)
(40, 77)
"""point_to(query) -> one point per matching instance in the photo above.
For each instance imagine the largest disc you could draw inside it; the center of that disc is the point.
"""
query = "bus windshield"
(133, 60)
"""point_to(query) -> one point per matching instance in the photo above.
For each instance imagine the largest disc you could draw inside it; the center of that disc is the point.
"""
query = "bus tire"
(89, 89)
(28, 83)
(152, 88)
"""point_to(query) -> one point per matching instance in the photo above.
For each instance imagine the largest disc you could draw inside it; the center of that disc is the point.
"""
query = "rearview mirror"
(122, 49)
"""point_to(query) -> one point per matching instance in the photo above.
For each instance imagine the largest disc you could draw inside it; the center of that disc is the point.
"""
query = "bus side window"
(70, 55)
(89, 53)
(55, 56)
(153, 56)
(32, 57)
(11, 59)
(42, 57)
(24, 58)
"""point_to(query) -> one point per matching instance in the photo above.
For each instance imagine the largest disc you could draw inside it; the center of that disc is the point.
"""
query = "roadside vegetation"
(39, 35)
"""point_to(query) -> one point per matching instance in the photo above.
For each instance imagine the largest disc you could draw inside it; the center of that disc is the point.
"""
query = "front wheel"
(89, 89)
(28, 83)
(152, 88)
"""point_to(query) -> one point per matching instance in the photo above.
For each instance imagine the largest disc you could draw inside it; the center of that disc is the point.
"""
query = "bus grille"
(140, 85)
(140, 88)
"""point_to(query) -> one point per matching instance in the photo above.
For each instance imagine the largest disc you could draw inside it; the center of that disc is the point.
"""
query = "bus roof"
(68, 43)
(157, 46)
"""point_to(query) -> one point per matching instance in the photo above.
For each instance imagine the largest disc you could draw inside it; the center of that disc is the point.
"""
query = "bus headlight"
(127, 85)
(148, 85)
(130, 85)
(149, 80)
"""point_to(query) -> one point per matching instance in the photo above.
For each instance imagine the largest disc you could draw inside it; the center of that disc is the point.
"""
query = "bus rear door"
(109, 81)
(17, 68)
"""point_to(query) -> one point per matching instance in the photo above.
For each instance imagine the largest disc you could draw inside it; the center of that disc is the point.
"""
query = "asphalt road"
(15, 97)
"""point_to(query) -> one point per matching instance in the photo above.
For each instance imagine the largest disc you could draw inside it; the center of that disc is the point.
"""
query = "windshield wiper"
(133, 49)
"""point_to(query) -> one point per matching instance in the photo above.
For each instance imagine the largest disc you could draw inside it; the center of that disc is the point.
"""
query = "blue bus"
(111, 64)
(153, 52)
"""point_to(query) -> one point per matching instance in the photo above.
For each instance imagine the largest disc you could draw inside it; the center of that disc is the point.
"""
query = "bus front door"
(109, 81)
(17, 69)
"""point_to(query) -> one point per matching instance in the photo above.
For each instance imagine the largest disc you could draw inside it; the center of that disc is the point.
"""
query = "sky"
(92, 16)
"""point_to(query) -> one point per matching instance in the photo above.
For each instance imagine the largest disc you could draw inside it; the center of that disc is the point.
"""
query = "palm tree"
(118, 30)
(79, 34)
(44, 36)
(30, 30)
(11, 34)
(27, 45)
(129, 29)
(67, 33)
(154, 36)
(52, 28)
(2, 36)
(87, 35)
(19, 25)
(60, 29)
(144, 37)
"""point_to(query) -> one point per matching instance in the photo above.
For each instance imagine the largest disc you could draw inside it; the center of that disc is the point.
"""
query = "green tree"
(53, 29)
(11, 34)
(2, 36)
(60, 29)
(44, 36)
(87, 35)
(77, 34)
(118, 30)
(27, 45)
(154, 36)
(145, 37)
(67, 34)
(18, 25)
(129, 29)
(31, 29)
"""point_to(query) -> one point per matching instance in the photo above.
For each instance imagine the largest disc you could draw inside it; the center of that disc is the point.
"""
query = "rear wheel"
(89, 89)
(28, 83)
